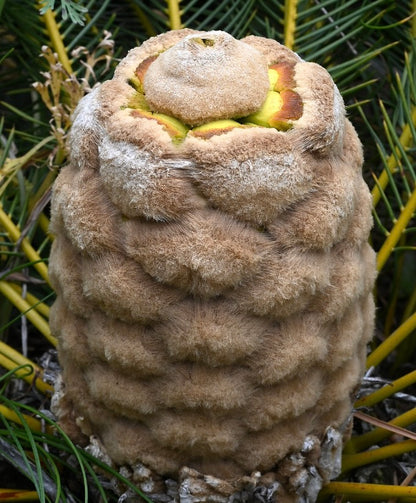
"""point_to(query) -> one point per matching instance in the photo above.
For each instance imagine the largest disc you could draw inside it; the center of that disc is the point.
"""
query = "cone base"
(296, 478)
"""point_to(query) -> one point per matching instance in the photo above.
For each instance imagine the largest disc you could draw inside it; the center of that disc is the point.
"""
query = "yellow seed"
(271, 105)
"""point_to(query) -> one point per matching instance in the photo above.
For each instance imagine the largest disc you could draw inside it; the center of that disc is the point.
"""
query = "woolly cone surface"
(211, 264)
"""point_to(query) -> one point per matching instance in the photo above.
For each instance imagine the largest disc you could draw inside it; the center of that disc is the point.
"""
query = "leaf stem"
(371, 492)
(350, 461)
(389, 344)
(290, 23)
(364, 441)
(387, 390)
(56, 39)
(9, 495)
(405, 140)
(414, 19)
(44, 224)
(33, 423)
(37, 304)
(10, 359)
(174, 15)
(397, 230)
(29, 251)
(25, 308)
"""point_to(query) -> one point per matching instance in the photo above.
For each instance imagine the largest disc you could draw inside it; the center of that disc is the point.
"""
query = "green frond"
(69, 9)
(90, 35)
(233, 16)
(151, 17)
(49, 460)
(337, 25)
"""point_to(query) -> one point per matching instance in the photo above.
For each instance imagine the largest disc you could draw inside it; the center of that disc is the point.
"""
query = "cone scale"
(212, 270)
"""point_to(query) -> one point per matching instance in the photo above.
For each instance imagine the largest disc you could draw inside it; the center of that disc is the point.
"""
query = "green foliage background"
(53, 52)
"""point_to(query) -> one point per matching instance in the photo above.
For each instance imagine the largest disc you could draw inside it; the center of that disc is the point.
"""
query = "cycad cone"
(272, 103)
(213, 275)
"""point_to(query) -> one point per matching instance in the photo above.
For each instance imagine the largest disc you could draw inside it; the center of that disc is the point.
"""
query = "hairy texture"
(214, 284)
(206, 77)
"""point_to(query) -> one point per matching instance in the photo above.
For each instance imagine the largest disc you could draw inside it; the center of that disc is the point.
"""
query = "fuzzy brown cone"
(214, 282)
